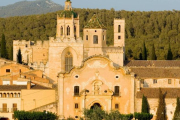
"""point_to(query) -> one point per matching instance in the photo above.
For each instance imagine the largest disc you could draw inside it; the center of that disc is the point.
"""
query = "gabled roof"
(154, 92)
(94, 22)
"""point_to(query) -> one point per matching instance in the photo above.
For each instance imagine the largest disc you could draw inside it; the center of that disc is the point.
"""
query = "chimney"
(28, 85)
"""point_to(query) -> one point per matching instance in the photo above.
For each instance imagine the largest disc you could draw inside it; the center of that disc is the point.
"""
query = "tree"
(161, 111)
(169, 54)
(144, 52)
(145, 105)
(153, 54)
(11, 53)
(19, 56)
(177, 110)
(3, 47)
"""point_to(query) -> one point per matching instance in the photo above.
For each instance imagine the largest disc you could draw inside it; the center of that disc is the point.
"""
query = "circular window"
(117, 76)
(76, 76)
(95, 30)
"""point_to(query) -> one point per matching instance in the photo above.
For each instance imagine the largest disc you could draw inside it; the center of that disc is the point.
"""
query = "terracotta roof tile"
(156, 72)
(152, 63)
(154, 92)
(19, 87)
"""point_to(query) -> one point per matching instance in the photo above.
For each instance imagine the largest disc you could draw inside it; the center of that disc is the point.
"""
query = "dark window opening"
(116, 106)
(76, 106)
(119, 37)
(61, 30)
(154, 81)
(119, 28)
(116, 90)
(76, 90)
(26, 45)
(68, 30)
(142, 81)
(8, 70)
(95, 39)
(86, 37)
(103, 37)
(75, 32)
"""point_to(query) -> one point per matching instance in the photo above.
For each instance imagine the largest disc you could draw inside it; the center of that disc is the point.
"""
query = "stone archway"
(96, 105)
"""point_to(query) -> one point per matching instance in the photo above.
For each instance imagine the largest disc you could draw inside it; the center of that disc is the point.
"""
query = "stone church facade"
(88, 72)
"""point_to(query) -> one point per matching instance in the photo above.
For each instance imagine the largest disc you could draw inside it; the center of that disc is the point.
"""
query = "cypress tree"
(19, 57)
(153, 54)
(11, 53)
(169, 54)
(161, 112)
(177, 110)
(144, 52)
(145, 105)
(3, 47)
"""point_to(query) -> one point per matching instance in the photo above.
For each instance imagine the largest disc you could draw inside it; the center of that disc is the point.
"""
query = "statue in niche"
(97, 87)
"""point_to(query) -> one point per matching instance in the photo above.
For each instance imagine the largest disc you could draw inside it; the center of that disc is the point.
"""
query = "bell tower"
(68, 23)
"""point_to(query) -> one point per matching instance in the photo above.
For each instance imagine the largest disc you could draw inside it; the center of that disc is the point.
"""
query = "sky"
(129, 5)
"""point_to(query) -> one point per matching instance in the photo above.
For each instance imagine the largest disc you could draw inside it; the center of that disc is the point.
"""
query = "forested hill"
(29, 8)
(159, 28)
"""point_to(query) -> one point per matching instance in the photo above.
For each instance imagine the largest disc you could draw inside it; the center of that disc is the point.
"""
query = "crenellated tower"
(67, 23)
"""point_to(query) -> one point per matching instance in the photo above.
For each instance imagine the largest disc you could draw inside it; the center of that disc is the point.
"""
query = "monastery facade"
(87, 72)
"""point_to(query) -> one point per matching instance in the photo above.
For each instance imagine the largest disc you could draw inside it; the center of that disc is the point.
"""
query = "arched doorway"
(96, 105)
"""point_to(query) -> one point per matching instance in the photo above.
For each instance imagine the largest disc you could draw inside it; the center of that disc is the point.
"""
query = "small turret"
(68, 5)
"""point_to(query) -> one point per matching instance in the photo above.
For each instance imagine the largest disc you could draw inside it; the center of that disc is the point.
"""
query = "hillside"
(159, 28)
(29, 8)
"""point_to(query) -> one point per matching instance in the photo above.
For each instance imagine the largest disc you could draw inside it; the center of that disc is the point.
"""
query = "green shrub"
(143, 116)
(23, 115)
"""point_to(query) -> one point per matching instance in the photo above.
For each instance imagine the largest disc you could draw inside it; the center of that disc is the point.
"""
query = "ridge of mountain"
(23, 8)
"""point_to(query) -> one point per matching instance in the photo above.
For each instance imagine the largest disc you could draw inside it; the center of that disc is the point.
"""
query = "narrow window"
(61, 31)
(14, 107)
(7, 95)
(116, 90)
(103, 37)
(86, 37)
(68, 30)
(5, 107)
(169, 81)
(76, 106)
(68, 62)
(76, 90)
(116, 106)
(154, 81)
(119, 28)
(26, 45)
(95, 39)
(119, 37)
(75, 31)
(19, 95)
(8, 70)
(0, 95)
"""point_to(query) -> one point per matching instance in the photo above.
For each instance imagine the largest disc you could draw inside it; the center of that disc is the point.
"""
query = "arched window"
(119, 28)
(76, 90)
(61, 31)
(95, 39)
(4, 95)
(68, 62)
(68, 30)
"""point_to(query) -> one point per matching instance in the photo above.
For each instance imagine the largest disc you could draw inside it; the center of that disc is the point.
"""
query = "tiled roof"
(154, 92)
(156, 72)
(94, 22)
(19, 87)
(153, 63)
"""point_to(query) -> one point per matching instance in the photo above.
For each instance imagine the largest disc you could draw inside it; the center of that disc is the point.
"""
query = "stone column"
(132, 99)
(61, 96)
